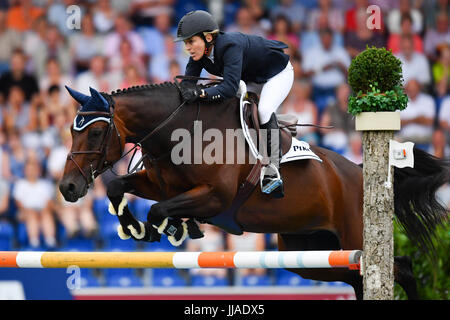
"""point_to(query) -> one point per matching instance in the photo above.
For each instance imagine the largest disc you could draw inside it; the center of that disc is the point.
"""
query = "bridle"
(103, 164)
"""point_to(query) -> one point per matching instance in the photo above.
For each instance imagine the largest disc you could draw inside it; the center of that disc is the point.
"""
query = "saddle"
(286, 122)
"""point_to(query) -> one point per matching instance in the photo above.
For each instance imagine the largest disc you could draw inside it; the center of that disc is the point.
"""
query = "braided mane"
(144, 87)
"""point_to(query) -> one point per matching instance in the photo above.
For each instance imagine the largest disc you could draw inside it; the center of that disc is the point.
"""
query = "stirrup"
(275, 180)
(272, 185)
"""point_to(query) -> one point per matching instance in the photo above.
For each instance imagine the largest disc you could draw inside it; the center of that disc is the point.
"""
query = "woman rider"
(261, 63)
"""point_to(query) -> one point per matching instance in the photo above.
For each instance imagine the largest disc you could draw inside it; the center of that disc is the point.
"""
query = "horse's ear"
(98, 99)
(78, 96)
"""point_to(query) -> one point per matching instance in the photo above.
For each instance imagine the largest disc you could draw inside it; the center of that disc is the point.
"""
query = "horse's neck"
(140, 114)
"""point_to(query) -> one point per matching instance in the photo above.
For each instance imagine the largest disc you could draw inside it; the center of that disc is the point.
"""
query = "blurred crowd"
(114, 44)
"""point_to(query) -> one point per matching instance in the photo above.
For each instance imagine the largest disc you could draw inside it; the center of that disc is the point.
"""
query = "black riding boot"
(271, 183)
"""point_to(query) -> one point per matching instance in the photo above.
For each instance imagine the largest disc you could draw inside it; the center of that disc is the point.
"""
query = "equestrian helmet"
(195, 22)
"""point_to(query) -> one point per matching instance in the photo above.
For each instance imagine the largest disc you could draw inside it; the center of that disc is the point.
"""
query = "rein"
(105, 165)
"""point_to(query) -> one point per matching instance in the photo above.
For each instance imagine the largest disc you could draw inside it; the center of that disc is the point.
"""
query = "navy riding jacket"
(239, 56)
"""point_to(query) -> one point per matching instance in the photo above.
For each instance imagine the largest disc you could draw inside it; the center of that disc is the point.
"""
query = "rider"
(261, 63)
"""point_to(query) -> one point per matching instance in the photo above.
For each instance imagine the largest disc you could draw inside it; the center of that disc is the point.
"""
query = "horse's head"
(96, 144)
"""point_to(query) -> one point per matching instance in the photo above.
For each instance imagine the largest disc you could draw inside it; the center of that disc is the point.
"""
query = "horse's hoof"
(121, 233)
(152, 234)
(193, 229)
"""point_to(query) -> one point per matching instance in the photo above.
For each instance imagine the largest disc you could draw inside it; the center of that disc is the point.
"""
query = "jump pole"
(182, 260)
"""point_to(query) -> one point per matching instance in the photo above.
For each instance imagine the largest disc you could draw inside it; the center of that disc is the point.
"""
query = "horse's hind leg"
(138, 184)
(404, 276)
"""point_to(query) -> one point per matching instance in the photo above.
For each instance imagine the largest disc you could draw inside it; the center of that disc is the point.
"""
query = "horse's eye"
(95, 133)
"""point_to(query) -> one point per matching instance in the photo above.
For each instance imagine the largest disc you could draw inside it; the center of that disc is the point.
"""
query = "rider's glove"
(192, 94)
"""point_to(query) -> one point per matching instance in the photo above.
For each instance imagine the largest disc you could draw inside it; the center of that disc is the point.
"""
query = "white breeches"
(273, 92)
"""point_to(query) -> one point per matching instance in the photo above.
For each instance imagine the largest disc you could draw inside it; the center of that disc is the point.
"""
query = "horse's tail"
(416, 207)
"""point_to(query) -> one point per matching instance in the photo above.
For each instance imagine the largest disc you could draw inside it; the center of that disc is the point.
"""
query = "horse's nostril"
(71, 187)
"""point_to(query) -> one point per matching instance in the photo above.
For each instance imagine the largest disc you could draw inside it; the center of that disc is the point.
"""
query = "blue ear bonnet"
(95, 102)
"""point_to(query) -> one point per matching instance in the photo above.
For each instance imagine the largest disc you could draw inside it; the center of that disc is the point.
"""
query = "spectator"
(327, 66)
(32, 196)
(174, 69)
(19, 114)
(213, 241)
(418, 117)
(357, 11)
(259, 13)
(311, 38)
(154, 37)
(17, 76)
(299, 104)
(293, 10)
(357, 41)
(76, 217)
(126, 58)
(10, 40)
(336, 115)
(441, 72)
(436, 38)
(122, 30)
(85, 45)
(334, 16)
(55, 77)
(246, 23)
(34, 38)
(104, 16)
(432, 8)
(439, 147)
(247, 242)
(282, 31)
(54, 46)
(143, 12)
(404, 7)
(406, 29)
(22, 15)
(96, 77)
(444, 117)
(57, 14)
(415, 65)
(159, 67)
(354, 150)
(5, 173)
(56, 118)
(132, 77)
(16, 156)
(4, 198)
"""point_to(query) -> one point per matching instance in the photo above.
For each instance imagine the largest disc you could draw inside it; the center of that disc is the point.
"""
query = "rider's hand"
(191, 94)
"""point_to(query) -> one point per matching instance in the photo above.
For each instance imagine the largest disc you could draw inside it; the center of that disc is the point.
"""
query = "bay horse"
(323, 202)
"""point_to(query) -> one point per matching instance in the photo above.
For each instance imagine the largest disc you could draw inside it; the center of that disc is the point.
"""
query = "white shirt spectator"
(113, 40)
(415, 68)
(444, 112)
(394, 21)
(33, 195)
(423, 105)
(317, 58)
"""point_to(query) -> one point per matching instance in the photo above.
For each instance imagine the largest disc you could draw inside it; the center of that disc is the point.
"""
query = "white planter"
(383, 120)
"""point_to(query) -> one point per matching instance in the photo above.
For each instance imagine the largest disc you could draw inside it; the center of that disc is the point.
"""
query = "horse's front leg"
(139, 185)
(199, 202)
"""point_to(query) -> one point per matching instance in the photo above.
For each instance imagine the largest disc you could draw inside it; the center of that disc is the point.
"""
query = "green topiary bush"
(375, 77)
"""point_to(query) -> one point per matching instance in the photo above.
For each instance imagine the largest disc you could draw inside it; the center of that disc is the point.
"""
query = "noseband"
(102, 164)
